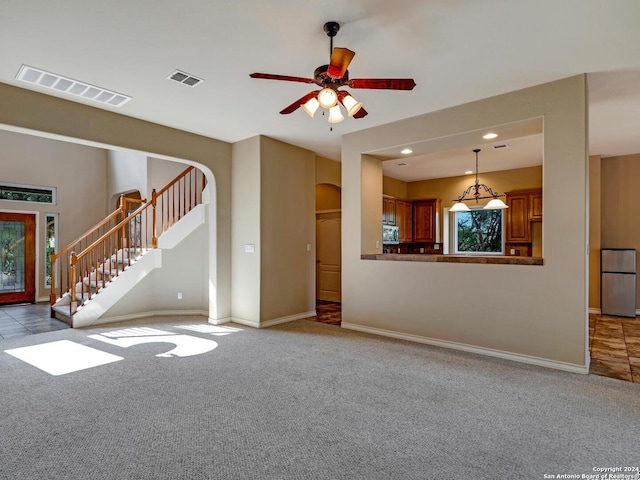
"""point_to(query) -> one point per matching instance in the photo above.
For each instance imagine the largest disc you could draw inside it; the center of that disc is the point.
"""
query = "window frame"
(464, 252)
(37, 190)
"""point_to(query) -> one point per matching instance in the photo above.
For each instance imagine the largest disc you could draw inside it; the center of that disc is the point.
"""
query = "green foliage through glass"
(479, 231)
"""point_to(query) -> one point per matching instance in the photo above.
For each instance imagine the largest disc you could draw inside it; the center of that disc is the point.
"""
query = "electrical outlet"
(179, 295)
(377, 244)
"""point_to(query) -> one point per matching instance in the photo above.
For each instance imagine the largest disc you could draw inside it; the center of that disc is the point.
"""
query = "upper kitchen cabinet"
(404, 220)
(535, 206)
(426, 221)
(525, 206)
(388, 211)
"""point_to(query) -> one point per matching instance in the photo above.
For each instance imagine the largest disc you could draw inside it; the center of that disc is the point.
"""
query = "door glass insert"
(12, 256)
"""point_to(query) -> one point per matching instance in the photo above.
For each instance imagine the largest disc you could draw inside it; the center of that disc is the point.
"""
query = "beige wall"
(328, 197)
(126, 172)
(328, 171)
(594, 230)
(287, 230)
(245, 223)
(79, 174)
(450, 188)
(273, 209)
(532, 314)
(44, 115)
(620, 221)
(394, 188)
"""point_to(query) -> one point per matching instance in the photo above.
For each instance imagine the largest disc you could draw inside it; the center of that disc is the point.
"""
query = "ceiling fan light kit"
(331, 78)
(327, 97)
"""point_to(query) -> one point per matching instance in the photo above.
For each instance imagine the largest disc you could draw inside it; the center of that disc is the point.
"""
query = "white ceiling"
(456, 50)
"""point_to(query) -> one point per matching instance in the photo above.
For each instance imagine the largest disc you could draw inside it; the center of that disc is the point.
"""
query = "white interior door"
(328, 256)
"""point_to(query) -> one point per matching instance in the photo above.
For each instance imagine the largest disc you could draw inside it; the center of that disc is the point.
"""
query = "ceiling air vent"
(401, 164)
(53, 81)
(185, 78)
(499, 146)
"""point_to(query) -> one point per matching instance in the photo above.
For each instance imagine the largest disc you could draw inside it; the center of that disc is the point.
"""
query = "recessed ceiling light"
(468, 172)
(57, 82)
(406, 151)
(489, 136)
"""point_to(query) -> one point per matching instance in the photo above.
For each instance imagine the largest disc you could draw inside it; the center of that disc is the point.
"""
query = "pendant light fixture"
(494, 204)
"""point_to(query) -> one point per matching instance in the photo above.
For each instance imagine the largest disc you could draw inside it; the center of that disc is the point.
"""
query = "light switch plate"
(249, 248)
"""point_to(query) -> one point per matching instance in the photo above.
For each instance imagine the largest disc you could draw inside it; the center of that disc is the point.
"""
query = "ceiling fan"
(331, 78)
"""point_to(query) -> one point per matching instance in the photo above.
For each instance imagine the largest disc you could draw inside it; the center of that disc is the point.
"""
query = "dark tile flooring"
(27, 319)
(328, 312)
(614, 342)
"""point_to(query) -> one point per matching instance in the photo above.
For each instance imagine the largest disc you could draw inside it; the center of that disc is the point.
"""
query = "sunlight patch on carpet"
(212, 329)
(62, 357)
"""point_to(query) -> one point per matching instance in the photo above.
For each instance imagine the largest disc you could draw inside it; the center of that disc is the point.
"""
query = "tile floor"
(328, 312)
(27, 319)
(614, 342)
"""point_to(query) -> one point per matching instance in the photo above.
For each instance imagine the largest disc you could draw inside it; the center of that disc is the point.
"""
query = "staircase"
(89, 266)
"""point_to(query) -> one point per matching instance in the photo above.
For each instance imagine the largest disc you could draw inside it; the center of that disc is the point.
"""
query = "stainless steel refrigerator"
(618, 281)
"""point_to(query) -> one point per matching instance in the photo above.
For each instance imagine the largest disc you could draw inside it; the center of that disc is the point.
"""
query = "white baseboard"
(219, 321)
(155, 313)
(248, 323)
(275, 321)
(288, 318)
(543, 362)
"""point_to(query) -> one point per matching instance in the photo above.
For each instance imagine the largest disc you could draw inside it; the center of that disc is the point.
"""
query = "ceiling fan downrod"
(331, 29)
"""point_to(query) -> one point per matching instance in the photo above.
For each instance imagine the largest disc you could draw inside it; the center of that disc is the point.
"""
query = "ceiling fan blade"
(383, 83)
(360, 113)
(340, 60)
(298, 103)
(287, 78)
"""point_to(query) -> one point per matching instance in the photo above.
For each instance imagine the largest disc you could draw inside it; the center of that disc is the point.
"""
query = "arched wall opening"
(72, 122)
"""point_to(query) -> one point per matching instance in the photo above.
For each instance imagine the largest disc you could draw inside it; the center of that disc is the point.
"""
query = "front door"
(17, 258)
(328, 256)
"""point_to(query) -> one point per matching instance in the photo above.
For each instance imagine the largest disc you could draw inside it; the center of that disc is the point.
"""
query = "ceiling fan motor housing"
(323, 78)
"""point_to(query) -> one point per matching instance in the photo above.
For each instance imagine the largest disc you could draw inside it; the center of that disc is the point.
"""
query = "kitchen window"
(479, 232)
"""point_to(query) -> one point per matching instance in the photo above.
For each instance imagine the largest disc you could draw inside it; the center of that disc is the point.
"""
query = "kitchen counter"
(488, 259)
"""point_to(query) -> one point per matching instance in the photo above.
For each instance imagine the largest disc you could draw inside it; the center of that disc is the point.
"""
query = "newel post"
(74, 301)
(123, 205)
(154, 237)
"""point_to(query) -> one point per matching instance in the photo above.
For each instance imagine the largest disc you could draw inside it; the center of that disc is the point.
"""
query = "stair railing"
(102, 260)
(63, 257)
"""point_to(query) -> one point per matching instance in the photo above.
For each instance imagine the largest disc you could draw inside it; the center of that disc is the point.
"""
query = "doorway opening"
(328, 254)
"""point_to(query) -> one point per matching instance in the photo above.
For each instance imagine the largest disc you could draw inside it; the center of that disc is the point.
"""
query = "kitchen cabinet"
(426, 221)
(525, 206)
(535, 204)
(388, 211)
(518, 222)
(404, 220)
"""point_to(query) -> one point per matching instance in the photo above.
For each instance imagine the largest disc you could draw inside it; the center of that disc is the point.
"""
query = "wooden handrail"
(174, 181)
(128, 238)
(119, 226)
